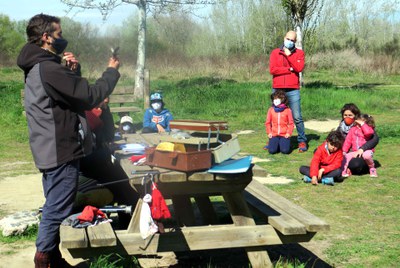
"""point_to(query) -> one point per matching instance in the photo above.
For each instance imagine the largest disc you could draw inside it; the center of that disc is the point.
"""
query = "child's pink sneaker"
(372, 173)
(346, 173)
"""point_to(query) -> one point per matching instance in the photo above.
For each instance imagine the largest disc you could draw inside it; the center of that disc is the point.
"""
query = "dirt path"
(19, 194)
(322, 126)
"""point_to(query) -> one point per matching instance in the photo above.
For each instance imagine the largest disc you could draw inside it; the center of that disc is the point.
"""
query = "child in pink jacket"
(359, 134)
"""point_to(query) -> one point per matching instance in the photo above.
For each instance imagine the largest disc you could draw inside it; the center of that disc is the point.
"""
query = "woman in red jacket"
(326, 162)
(279, 124)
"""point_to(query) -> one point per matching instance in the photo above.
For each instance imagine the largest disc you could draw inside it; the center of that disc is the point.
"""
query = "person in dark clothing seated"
(99, 165)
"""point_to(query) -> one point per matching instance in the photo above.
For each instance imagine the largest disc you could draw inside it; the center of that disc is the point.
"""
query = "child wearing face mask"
(156, 118)
(279, 124)
(362, 131)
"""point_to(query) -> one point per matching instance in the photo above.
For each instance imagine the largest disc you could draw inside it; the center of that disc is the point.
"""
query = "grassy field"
(363, 212)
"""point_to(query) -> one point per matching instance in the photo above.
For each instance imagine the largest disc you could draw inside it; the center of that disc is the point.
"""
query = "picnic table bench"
(122, 101)
(284, 221)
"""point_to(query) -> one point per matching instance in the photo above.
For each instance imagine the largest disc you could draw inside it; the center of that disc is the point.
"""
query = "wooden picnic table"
(285, 221)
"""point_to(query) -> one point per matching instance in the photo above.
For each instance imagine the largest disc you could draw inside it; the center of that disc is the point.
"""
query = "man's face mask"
(289, 44)
(59, 45)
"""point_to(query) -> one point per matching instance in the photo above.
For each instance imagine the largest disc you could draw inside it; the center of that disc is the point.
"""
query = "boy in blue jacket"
(156, 118)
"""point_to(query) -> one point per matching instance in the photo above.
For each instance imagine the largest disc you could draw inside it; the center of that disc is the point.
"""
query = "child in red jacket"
(279, 124)
(326, 162)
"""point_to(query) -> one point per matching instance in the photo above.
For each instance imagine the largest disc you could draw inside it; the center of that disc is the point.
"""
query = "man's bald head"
(291, 35)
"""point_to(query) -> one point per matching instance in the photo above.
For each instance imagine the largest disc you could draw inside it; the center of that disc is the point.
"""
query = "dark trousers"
(279, 144)
(60, 185)
(336, 174)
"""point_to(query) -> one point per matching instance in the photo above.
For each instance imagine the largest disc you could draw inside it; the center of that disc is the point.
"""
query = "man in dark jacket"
(56, 97)
(285, 64)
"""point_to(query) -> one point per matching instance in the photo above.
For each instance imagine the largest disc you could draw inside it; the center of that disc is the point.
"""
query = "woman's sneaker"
(372, 173)
(346, 173)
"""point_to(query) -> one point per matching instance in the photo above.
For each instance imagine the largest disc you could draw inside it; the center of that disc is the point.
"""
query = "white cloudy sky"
(25, 9)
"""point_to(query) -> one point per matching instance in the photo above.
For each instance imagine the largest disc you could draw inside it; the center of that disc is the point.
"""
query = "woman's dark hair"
(335, 138)
(38, 25)
(279, 94)
(351, 107)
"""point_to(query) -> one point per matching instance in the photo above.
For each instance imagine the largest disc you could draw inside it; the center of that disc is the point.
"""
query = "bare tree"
(304, 15)
(145, 7)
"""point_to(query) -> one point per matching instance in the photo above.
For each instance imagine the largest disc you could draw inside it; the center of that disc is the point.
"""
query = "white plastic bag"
(147, 225)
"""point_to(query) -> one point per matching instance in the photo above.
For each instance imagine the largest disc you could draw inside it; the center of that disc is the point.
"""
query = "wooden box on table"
(222, 146)
(191, 160)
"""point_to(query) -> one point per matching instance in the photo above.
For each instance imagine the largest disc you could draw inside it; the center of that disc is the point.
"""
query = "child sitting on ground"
(359, 134)
(326, 162)
(279, 124)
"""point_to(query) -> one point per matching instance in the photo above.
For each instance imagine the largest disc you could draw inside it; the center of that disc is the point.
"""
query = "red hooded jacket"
(323, 159)
(279, 68)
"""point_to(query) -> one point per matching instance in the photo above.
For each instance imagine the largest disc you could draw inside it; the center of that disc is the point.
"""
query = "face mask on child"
(277, 102)
(348, 121)
(156, 106)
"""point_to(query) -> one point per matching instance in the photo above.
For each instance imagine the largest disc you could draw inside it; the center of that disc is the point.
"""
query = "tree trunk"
(299, 45)
(141, 56)
(299, 40)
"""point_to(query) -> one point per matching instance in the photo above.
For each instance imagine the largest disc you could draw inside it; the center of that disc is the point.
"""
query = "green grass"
(14, 147)
(363, 212)
(114, 261)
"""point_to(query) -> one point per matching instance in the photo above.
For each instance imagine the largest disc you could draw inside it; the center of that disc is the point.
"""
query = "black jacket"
(55, 101)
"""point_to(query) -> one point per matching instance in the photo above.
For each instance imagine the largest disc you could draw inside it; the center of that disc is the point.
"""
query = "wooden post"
(146, 93)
